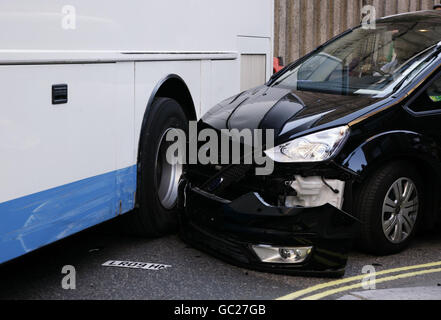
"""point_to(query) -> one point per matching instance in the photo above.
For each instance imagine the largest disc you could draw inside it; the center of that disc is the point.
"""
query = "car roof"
(426, 16)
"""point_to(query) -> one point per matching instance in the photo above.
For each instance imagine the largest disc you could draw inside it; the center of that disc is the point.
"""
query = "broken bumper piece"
(250, 233)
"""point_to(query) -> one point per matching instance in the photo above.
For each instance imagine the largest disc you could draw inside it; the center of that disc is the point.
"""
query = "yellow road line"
(359, 285)
(303, 292)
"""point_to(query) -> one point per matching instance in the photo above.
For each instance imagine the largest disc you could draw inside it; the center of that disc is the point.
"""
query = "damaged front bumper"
(250, 233)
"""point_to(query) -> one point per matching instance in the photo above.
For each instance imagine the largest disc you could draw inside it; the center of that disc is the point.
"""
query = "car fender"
(394, 145)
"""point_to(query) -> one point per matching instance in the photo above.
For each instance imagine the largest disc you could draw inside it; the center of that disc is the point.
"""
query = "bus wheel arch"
(174, 87)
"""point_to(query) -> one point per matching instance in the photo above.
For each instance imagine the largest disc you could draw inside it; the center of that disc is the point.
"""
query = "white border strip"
(80, 56)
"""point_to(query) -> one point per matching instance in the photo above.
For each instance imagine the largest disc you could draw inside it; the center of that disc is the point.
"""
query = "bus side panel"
(187, 26)
(33, 221)
(126, 156)
(209, 82)
(59, 172)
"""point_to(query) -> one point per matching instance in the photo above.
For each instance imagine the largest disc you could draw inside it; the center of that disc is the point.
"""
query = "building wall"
(302, 25)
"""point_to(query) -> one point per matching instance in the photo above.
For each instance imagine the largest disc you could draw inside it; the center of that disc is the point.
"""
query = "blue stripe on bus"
(36, 220)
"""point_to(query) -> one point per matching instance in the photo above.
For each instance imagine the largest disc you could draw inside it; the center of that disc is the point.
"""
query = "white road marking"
(136, 265)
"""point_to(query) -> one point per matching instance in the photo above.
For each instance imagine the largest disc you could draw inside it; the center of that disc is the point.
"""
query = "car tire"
(157, 212)
(389, 221)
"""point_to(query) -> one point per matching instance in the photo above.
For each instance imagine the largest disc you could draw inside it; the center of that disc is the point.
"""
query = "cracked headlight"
(316, 147)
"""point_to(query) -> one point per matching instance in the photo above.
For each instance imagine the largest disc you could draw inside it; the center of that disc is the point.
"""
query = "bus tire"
(157, 213)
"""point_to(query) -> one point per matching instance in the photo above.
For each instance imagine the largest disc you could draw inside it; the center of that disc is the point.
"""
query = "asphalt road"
(192, 275)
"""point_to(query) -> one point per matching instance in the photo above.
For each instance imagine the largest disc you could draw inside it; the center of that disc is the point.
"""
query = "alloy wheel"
(400, 210)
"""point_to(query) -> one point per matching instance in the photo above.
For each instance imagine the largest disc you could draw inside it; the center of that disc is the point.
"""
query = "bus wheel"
(158, 185)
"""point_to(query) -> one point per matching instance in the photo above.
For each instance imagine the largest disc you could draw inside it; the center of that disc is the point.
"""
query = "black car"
(357, 127)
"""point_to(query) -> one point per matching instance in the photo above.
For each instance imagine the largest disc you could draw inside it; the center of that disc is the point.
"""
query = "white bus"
(87, 91)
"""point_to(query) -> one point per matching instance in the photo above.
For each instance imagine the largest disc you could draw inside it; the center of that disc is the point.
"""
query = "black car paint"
(381, 130)
(274, 108)
(227, 229)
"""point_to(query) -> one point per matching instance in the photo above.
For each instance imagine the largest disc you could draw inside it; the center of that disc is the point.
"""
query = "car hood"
(288, 112)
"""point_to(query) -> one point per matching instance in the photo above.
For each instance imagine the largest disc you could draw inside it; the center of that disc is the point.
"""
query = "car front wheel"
(389, 205)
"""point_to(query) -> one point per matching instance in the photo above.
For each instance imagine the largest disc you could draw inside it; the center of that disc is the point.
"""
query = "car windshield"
(366, 61)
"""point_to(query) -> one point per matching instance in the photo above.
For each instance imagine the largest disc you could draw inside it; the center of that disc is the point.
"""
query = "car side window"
(429, 99)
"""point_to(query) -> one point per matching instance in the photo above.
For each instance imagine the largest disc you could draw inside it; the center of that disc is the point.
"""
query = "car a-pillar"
(170, 107)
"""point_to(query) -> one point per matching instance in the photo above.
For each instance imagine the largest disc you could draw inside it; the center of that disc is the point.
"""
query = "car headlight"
(316, 147)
